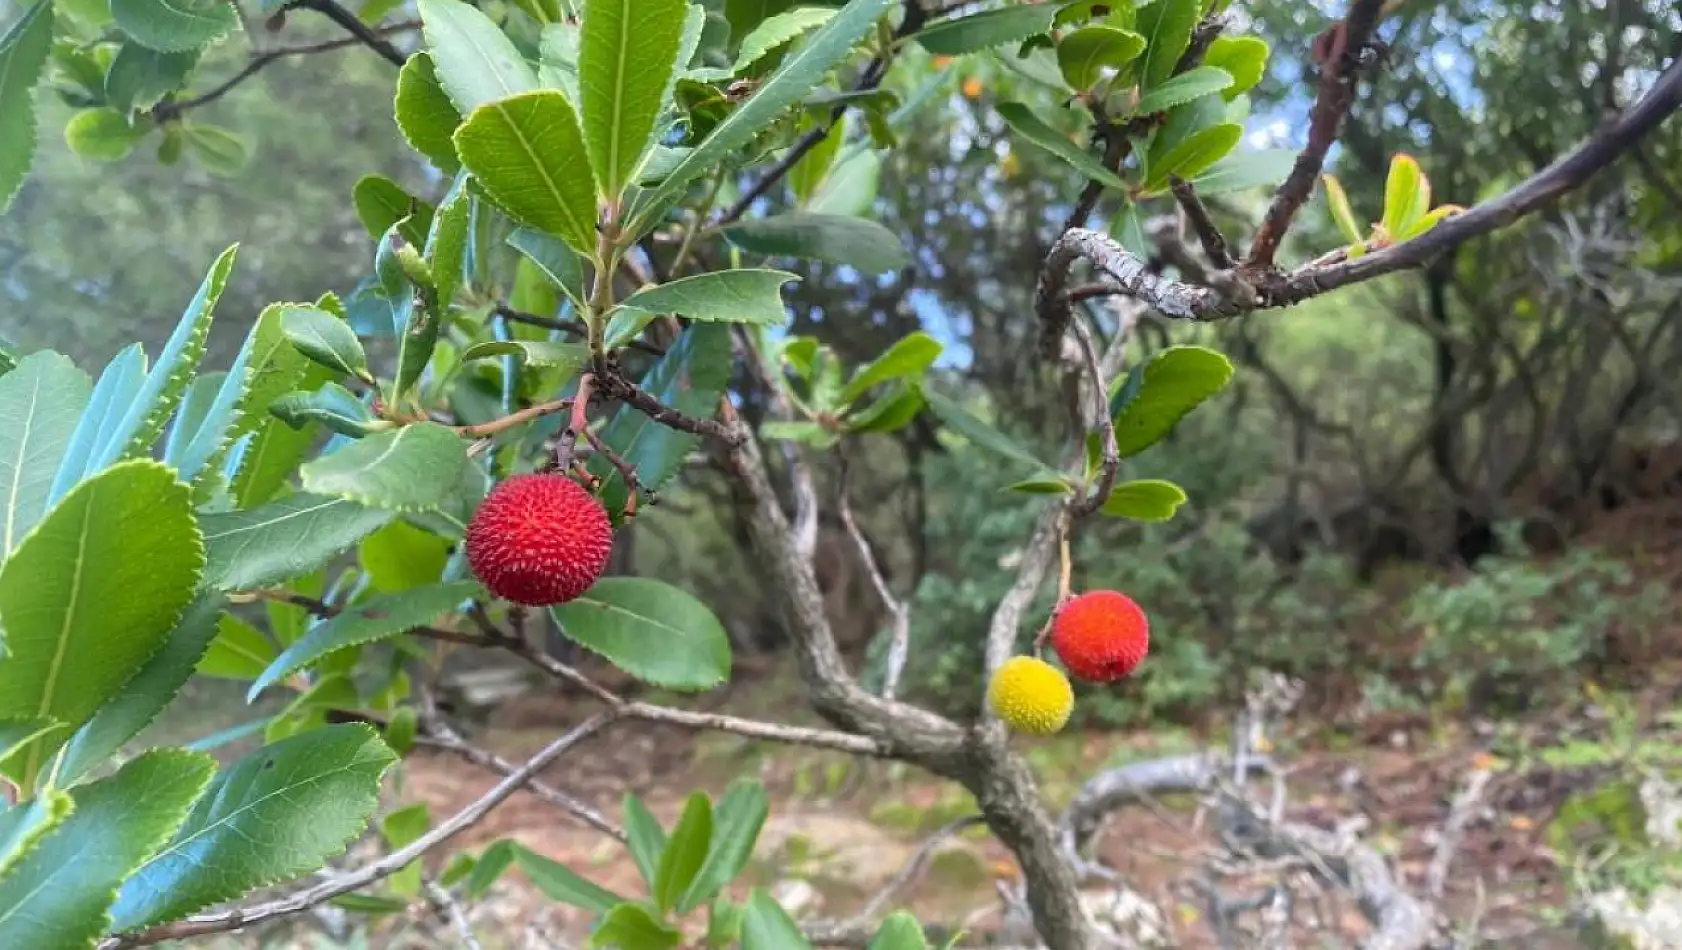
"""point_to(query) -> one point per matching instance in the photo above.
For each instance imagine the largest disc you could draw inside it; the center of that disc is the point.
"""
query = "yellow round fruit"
(1031, 695)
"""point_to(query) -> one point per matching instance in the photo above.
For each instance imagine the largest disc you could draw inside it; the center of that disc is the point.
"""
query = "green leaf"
(1167, 26)
(651, 630)
(1029, 126)
(103, 135)
(400, 829)
(1196, 153)
(559, 882)
(24, 824)
(1407, 195)
(851, 186)
(633, 927)
(1337, 200)
(909, 356)
(961, 421)
(645, 838)
(685, 851)
(40, 402)
(540, 353)
(1129, 231)
(729, 296)
(220, 151)
(798, 430)
(145, 695)
(58, 896)
(407, 469)
(787, 85)
(370, 903)
(1147, 499)
(326, 339)
(203, 427)
(560, 263)
(864, 245)
(373, 619)
(627, 51)
(1244, 57)
(808, 173)
(528, 155)
(23, 57)
(140, 76)
(475, 61)
(1084, 54)
(16, 733)
(736, 824)
(446, 251)
(282, 539)
(766, 926)
(238, 652)
(279, 812)
(899, 931)
(1158, 393)
(1266, 167)
(892, 411)
(119, 384)
(1189, 85)
(1043, 485)
(955, 36)
(495, 859)
(382, 203)
(334, 406)
(92, 593)
(400, 556)
(172, 26)
(775, 31)
(558, 60)
(425, 115)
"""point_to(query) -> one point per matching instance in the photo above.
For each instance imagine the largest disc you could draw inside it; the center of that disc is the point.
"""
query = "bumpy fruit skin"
(1031, 695)
(539, 540)
(1101, 636)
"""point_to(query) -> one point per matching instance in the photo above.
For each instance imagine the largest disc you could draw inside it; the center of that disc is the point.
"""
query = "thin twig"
(1208, 233)
(1460, 816)
(1110, 459)
(615, 386)
(485, 429)
(571, 327)
(900, 643)
(858, 928)
(450, 909)
(167, 110)
(353, 25)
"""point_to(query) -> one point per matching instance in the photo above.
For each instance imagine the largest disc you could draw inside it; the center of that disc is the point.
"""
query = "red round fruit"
(539, 540)
(1101, 636)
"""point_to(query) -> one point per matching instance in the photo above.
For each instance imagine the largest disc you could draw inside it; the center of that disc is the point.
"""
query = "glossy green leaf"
(333, 406)
(1085, 54)
(16, 733)
(1189, 85)
(282, 539)
(400, 829)
(1158, 393)
(727, 296)
(400, 735)
(560, 883)
(474, 60)
(1193, 155)
(103, 135)
(856, 242)
(651, 630)
(1043, 485)
(743, 16)
(118, 386)
(766, 926)
(776, 31)
(850, 187)
(539, 353)
(493, 861)
(1129, 231)
(58, 896)
(627, 51)
(1244, 57)
(140, 76)
(407, 469)
(909, 356)
(736, 823)
(961, 421)
(558, 60)
(381, 203)
(400, 556)
(370, 620)
(633, 927)
(560, 263)
(1031, 128)
(1262, 168)
(326, 339)
(1337, 201)
(23, 825)
(447, 256)
(1147, 499)
(425, 115)
(1407, 195)
(81, 616)
(174, 25)
(1167, 26)
(974, 32)
(239, 651)
(898, 931)
(685, 851)
(40, 402)
(891, 411)
(204, 426)
(219, 151)
(277, 813)
(529, 156)
(645, 838)
(145, 695)
(813, 167)
(23, 58)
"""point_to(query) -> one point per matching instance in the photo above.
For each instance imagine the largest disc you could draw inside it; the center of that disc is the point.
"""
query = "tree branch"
(353, 25)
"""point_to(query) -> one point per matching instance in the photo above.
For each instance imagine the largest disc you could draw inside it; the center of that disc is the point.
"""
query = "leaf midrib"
(23, 452)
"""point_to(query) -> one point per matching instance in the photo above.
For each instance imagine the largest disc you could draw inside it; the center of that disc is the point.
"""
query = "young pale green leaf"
(1266, 167)
(961, 421)
(651, 630)
(219, 151)
(645, 838)
(400, 556)
(475, 61)
(1166, 26)
(282, 539)
(1202, 149)
(863, 245)
(559, 882)
(813, 167)
(728, 296)
(1244, 57)
(1337, 200)
(910, 356)
(685, 851)
(814, 434)
(560, 263)
(171, 26)
(407, 469)
(1084, 55)
(326, 339)
(633, 926)
(850, 187)
(1428, 221)
(1036, 132)
(546, 354)
(60, 894)
(787, 85)
(1043, 485)
(381, 203)
(22, 826)
(736, 823)
(40, 402)
(766, 926)
(103, 135)
(400, 735)
(425, 115)
(239, 651)
(627, 51)
(1158, 393)
(1189, 85)
(1148, 499)
(145, 695)
(279, 812)
(140, 76)
(23, 57)
(400, 829)
(955, 36)
(370, 620)
(899, 931)
(891, 411)
(775, 31)
(1407, 195)
(92, 592)
(333, 406)
(529, 157)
